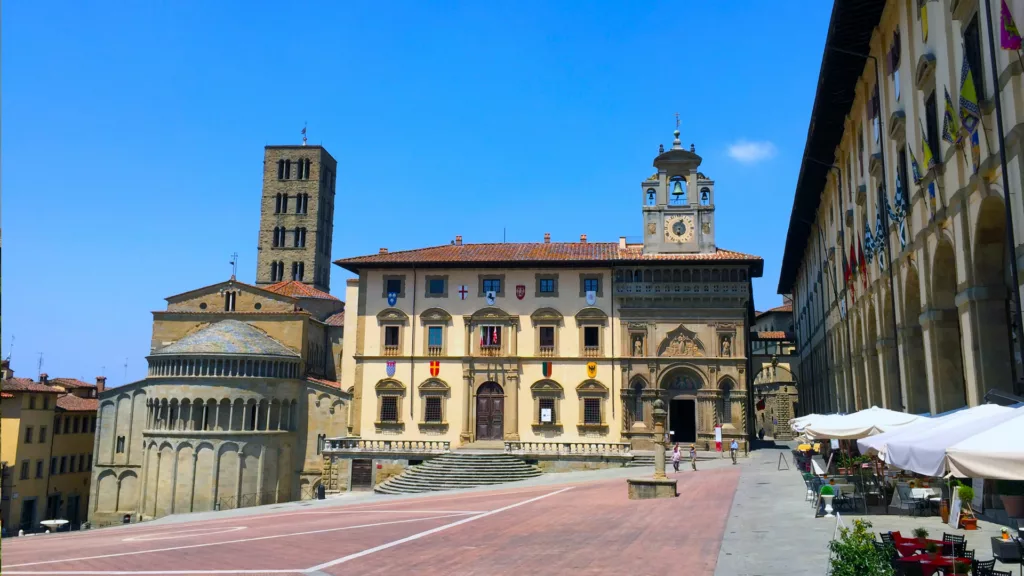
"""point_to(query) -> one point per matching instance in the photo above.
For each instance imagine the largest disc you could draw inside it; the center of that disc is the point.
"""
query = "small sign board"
(954, 510)
(718, 438)
(834, 444)
(545, 415)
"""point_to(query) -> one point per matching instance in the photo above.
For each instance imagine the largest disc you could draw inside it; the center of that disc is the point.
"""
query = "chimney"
(583, 238)
(101, 384)
(547, 237)
(622, 242)
(44, 378)
(458, 240)
(6, 369)
(383, 251)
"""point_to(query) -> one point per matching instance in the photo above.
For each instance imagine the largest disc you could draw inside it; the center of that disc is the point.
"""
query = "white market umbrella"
(867, 422)
(997, 452)
(924, 450)
(878, 443)
(798, 424)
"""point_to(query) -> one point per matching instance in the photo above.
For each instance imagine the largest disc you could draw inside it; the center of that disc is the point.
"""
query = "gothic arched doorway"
(490, 412)
(681, 386)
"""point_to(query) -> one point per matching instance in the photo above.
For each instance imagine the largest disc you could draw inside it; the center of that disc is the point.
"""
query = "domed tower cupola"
(678, 203)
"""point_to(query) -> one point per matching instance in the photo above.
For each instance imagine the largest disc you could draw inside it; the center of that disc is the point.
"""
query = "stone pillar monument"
(660, 486)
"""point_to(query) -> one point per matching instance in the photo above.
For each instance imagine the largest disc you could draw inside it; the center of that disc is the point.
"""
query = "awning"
(997, 452)
(861, 424)
(879, 442)
(924, 450)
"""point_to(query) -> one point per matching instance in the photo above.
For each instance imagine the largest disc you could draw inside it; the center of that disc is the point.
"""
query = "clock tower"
(678, 204)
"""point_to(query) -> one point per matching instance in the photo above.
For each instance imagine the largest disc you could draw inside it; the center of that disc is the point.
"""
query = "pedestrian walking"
(733, 447)
(675, 457)
(693, 457)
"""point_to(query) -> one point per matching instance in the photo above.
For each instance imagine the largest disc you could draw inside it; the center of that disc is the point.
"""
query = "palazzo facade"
(557, 342)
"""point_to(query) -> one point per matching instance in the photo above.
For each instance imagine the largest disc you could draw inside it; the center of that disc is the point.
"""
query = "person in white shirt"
(733, 447)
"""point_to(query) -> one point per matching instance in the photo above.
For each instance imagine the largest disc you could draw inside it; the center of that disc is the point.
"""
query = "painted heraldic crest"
(391, 368)
(591, 297)
(435, 368)
(491, 295)
(521, 291)
(392, 298)
(591, 369)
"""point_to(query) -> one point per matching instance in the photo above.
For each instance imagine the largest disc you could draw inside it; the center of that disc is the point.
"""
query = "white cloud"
(751, 152)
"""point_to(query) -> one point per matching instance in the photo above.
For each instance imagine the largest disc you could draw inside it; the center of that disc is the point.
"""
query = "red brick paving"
(590, 529)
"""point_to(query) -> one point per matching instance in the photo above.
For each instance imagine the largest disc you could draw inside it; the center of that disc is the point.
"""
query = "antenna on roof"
(234, 264)
(39, 366)
(10, 351)
(126, 370)
(303, 133)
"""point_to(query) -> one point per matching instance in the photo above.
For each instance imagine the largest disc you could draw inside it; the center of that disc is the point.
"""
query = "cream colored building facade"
(242, 388)
(556, 343)
(938, 335)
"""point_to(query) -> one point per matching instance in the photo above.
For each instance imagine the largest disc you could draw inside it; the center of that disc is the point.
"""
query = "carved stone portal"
(681, 342)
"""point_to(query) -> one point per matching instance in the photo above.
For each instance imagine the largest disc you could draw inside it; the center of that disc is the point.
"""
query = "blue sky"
(133, 136)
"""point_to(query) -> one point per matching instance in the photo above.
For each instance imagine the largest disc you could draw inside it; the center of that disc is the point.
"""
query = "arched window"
(651, 198)
(287, 169)
(638, 401)
(677, 190)
(295, 242)
(284, 203)
(705, 196)
(277, 205)
(280, 169)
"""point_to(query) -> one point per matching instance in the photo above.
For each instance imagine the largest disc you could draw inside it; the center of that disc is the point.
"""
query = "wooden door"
(362, 474)
(490, 412)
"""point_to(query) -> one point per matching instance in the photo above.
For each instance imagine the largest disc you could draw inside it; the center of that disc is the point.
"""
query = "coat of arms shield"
(435, 368)
(591, 369)
(392, 298)
(591, 297)
(490, 297)
(390, 368)
(521, 291)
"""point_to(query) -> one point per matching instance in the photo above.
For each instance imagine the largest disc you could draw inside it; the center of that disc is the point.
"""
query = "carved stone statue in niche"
(681, 342)
(726, 346)
(638, 345)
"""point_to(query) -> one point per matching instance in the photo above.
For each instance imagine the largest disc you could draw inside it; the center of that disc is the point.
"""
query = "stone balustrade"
(403, 446)
(618, 448)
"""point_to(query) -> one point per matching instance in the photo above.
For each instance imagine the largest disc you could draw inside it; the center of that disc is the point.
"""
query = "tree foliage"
(854, 553)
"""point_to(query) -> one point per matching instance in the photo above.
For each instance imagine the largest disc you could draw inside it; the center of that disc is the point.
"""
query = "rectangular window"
(547, 285)
(972, 48)
(81, 462)
(118, 449)
(592, 411)
(931, 114)
(435, 287)
(46, 401)
(547, 411)
(389, 409)
(74, 425)
(591, 336)
(492, 285)
(67, 424)
(547, 336)
(63, 464)
(394, 286)
(434, 336)
(42, 434)
(31, 401)
(53, 466)
(29, 434)
(24, 470)
(433, 409)
(591, 285)
(71, 465)
(391, 335)
(39, 468)
(490, 336)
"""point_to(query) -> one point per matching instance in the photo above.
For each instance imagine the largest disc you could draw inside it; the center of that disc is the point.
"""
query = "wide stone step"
(446, 468)
(454, 470)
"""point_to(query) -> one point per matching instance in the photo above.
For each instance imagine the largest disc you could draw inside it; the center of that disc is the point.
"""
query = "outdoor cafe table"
(908, 547)
(930, 565)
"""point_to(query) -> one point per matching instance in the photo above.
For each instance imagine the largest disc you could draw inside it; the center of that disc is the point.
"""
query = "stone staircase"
(458, 470)
(641, 461)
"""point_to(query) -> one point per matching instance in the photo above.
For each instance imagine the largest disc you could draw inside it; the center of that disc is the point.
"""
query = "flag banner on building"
(863, 265)
(970, 113)
(926, 150)
(931, 197)
(894, 63)
(949, 124)
(1009, 37)
(898, 215)
(546, 369)
(869, 242)
(880, 238)
(915, 168)
(853, 272)
(846, 269)
(976, 150)
(922, 6)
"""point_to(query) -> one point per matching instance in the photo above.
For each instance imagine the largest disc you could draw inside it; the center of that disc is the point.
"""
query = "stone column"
(991, 355)
(238, 480)
(174, 480)
(512, 407)
(231, 413)
(192, 487)
(467, 416)
(141, 507)
(259, 475)
(156, 484)
(892, 392)
(216, 476)
(659, 414)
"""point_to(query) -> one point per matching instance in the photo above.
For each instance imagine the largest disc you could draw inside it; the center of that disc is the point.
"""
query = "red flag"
(863, 265)
(760, 404)
(494, 335)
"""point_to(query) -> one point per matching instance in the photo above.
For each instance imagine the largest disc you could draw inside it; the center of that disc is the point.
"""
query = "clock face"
(679, 229)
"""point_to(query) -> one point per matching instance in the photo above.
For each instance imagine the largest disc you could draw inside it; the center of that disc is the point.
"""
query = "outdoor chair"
(966, 554)
(908, 501)
(887, 537)
(1000, 573)
(953, 544)
(982, 567)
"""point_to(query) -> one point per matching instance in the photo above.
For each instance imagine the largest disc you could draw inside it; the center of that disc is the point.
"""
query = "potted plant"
(921, 534)
(933, 549)
(967, 519)
(1005, 533)
(854, 553)
(827, 494)
(1012, 494)
(961, 568)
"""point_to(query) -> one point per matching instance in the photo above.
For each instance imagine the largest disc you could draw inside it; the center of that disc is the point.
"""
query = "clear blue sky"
(133, 137)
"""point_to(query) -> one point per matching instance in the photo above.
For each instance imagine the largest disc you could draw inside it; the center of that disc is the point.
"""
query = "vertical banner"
(718, 437)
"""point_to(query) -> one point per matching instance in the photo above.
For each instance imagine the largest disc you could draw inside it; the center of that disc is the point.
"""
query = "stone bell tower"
(678, 204)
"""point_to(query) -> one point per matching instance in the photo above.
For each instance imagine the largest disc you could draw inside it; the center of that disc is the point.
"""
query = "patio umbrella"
(924, 450)
(867, 422)
(798, 424)
(878, 442)
(997, 452)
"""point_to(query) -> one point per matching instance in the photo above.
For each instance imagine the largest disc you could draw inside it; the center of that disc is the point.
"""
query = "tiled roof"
(322, 382)
(71, 383)
(6, 395)
(536, 252)
(336, 319)
(783, 308)
(25, 385)
(772, 335)
(296, 289)
(243, 312)
(228, 337)
(72, 403)
(232, 280)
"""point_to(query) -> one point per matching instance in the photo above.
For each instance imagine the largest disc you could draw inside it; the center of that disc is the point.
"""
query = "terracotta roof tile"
(25, 385)
(579, 252)
(772, 335)
(236, 312)
(72, 403)
(322, 382)
(336, 319)
(783, 308)
(296, 289)
(71, 383)
(6, 395)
